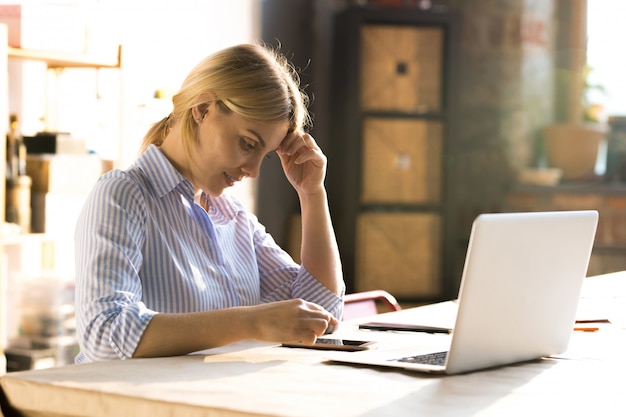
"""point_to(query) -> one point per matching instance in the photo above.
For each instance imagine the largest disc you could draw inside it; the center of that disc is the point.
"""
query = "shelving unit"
(65, 60)
(392, 130)
(53, 60)
(25, 252)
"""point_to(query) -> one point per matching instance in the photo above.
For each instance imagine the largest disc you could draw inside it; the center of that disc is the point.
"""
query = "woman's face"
(230, 148)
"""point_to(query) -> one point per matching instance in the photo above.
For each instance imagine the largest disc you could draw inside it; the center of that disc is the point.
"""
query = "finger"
(286, 146)
(296, 142)
(307, 338)
(313, 329)
(309, 142)
(309, 154)
(314, 307)
(304, 142)
(314, 322)
(329, 323)
(314, 311)
(332, 328)
(304, 155)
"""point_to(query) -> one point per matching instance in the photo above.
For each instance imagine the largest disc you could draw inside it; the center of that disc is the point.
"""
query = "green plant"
(592, 111)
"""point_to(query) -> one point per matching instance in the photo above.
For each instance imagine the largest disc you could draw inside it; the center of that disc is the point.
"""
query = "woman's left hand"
(304, 162)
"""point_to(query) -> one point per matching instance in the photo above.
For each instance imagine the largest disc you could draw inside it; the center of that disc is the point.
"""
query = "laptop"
(518, 297)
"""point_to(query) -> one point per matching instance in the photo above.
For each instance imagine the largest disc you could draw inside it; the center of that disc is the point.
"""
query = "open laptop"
(518, 298)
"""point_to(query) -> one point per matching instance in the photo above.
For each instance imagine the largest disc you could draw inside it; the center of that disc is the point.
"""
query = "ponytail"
(156, 134)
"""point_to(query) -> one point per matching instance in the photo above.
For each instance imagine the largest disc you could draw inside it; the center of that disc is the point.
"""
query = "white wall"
(162, 40)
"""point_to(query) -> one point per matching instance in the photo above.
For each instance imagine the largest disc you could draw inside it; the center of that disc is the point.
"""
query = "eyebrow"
(259, 137)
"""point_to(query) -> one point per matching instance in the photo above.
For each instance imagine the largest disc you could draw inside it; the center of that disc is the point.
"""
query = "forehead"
(270, 133)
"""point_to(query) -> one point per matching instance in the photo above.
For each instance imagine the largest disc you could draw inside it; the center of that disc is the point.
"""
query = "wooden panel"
(399, 253)
(401, 68)
(401, 161)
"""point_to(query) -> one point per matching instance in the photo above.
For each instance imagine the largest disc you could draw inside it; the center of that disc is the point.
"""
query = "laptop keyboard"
(438, 358)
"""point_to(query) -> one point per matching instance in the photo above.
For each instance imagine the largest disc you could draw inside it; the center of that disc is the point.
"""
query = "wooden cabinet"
(392, 112)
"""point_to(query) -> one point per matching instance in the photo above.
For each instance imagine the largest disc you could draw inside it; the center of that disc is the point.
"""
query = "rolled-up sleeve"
(110, 314)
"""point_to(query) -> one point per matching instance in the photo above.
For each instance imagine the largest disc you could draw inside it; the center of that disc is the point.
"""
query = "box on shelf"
(20, 359)
(63, 174)
(401, 68)
(400, 253)
(47, 307)
(54, 142)
(401, 161)
(41, 352)
(47, 327)
(23, 255)
(45, 26)
(60, 186)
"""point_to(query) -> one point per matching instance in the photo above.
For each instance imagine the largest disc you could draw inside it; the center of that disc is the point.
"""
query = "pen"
(586, 329)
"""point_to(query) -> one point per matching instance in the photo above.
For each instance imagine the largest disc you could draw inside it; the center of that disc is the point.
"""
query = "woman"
(167, 264)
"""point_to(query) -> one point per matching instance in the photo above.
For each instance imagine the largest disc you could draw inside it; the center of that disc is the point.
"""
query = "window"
(606, 31)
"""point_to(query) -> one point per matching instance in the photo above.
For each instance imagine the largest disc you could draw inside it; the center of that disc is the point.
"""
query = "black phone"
(334, 344)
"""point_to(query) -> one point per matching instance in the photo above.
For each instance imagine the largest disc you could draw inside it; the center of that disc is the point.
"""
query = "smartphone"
(334, 344)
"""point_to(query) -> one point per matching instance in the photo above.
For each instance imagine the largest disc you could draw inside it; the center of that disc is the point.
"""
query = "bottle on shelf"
(12, 162)
(18, 184)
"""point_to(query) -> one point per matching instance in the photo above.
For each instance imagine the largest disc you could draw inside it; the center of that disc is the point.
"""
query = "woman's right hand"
(170, 334)
(290, 320)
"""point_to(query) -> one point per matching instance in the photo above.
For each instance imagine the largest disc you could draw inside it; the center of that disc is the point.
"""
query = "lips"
(230, 179)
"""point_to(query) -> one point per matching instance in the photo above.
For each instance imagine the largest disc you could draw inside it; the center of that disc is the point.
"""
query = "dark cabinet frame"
(345, 151)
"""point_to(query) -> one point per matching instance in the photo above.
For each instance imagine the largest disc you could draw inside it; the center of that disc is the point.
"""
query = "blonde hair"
(250, 80)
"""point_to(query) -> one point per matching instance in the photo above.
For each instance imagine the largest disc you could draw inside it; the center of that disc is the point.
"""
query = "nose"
(252, 167)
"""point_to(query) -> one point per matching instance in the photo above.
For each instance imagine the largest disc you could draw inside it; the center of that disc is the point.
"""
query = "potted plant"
(573, 146)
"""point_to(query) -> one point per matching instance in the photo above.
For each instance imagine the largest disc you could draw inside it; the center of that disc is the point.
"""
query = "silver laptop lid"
(520, 287)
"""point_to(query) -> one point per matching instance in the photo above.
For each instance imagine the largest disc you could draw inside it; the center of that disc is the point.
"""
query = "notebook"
(518, 296)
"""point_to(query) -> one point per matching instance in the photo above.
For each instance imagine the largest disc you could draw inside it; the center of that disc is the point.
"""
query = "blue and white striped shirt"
(144, 246)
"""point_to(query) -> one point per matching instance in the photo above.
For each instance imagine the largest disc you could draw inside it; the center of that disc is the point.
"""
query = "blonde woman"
(167, 264)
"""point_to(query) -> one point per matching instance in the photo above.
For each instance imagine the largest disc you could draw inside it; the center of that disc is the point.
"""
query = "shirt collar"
(162, 174)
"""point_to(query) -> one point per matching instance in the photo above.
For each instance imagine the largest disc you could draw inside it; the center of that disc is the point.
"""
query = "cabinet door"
(399, 252)
(401, 161)
(401, 68)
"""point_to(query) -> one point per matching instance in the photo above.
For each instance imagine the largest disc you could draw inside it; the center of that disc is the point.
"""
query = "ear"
(199, 111)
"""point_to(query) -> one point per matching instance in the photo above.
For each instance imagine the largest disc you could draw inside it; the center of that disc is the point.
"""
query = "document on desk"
(603, 299)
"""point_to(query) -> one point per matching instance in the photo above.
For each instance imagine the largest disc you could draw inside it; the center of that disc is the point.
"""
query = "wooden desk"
(253, 379)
